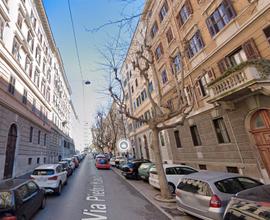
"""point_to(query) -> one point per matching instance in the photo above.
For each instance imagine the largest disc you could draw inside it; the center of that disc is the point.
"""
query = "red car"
(102, 163)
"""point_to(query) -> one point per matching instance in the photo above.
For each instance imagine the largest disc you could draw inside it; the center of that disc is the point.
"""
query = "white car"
(112, 161)
(173, 174)
(51, 177)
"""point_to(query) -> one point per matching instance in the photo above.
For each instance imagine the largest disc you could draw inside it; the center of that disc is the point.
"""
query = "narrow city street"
(83, 198)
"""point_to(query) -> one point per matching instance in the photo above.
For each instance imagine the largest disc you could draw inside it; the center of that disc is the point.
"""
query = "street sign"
(123, 145)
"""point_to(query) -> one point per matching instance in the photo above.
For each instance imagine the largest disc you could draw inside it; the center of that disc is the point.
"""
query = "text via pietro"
(95, 198)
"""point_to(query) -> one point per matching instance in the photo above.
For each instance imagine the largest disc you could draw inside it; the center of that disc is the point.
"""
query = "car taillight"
(177, 193)
(9, 217)
(53, 178)
(215, 202)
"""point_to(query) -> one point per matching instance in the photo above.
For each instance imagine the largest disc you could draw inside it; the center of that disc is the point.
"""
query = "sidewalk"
(149, 192)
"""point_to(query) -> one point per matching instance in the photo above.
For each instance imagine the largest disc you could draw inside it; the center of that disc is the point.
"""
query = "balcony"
(247, 78)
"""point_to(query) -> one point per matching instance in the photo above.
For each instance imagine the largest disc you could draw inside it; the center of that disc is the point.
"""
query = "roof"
(11, 184)
(47, 166)
(259, 193)
(211, 176)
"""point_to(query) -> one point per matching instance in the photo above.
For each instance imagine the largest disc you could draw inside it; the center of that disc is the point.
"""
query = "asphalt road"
(98, 194)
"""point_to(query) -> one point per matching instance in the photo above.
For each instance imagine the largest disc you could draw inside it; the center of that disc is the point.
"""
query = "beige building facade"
(223, 49)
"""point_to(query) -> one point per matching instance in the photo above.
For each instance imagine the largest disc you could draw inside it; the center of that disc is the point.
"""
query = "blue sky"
(87, 14)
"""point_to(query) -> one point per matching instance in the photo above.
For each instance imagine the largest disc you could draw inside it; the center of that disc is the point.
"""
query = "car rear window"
(43, 172)
(102, 160)
(5, 200)
(235, 185)
(195, 186)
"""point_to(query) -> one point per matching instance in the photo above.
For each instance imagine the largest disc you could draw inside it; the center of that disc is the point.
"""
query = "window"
(45, 139)
(132, 89)
(201, 84)
(36, 78)
(2, 27)
(202, 167)
(195, 44)
(221, 131)
(195, 186)
(267, 33)
(247, 51)
(31, 134)
(34, 105)
(30, 40)
(164, 76)
(44, 160)
(184, 170)
(176, 63)
(16, 50)
(39, 134)
(161, 137)
(150, 87)
(195, 135)
(29, 161)
(154, 30)
(184, 13)
(33, 19)
(170, 104)
(28, 66)
(177, 139)
(136, 82)
(220, 17)
(11, 86)
(170, 171)
(232, 169)
(20, 20)
(38, 160)
(159, 51)
(38, 55)
(169, 35)
(24, 97)
(163, 11)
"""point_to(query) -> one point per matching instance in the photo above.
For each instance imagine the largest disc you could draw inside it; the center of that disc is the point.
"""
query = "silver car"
(206, 194)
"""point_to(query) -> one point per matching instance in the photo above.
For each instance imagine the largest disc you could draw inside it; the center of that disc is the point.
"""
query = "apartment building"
(223, 49)
(34, 92)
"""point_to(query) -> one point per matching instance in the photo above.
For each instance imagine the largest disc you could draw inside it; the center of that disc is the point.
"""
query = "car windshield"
(43, 172)
(5, 200)
(235, 185)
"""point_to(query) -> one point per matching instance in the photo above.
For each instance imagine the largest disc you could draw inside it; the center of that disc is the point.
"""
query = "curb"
(145, 196)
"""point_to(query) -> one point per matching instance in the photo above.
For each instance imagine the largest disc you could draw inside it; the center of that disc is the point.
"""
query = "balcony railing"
(236, 84)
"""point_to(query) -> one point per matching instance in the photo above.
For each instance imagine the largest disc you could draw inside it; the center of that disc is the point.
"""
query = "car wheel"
(59, 189)
(43, 204)
(171, 187)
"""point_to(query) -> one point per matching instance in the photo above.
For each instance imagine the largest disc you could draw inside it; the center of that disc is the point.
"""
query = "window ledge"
(224, 28)
(187, 21)
(196, 55)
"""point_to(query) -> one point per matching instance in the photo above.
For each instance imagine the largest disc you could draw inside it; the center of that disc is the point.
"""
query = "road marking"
(96, 200)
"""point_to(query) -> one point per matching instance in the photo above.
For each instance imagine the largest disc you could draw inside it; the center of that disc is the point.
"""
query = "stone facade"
(34, 91)
(222, 69)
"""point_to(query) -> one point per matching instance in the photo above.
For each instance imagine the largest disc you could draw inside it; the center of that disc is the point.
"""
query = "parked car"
(173, 174)
(75, 161)
(144, 170)
(71, 163)
(112, 161)
(51, 177)
(130, 170)
(66, 167)
(20, 199)
(102, 163)
(250, 204)
(119, 160)
(206, 194)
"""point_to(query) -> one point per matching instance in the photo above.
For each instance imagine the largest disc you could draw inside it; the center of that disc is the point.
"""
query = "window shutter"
(211, 74)
(223, 65)
(161, 48)
(189, 7)
(179, 20)
(210, 27)
(251, 50)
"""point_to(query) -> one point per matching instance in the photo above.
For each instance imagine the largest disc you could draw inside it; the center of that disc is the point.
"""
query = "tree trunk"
(165, 192)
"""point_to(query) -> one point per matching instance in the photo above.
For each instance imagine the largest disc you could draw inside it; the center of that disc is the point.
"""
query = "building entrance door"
(10, 151)
(260, 128)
